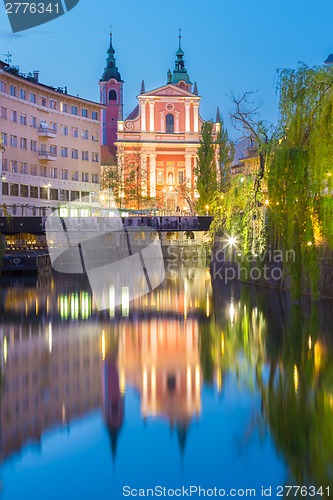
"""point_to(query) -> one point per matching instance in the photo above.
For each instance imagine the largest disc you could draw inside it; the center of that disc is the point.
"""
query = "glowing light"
(310, 343)
(266, 202)
(112, 300)
(242, 179)
(207, 306)
(103, 346)
(309, 243)
(122, 381)
(295, 378)
(219, 379)
(125, 301)
(232, 241)
(222, 344)
(50, 337)
(5, 349)
(63, 413)
(232, 312)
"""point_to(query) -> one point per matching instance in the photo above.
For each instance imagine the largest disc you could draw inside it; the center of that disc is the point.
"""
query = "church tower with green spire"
(180, 76)
(111, 95)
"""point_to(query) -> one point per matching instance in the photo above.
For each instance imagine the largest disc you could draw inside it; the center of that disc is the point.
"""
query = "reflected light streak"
(112, 301)
(296, 378)
(50, 337)
(103, 346)
(5, 349)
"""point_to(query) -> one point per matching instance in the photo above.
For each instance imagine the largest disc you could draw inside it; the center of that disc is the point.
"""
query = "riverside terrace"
(36, 225)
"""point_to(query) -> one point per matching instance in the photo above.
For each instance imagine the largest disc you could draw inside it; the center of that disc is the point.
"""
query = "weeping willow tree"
(300, 173)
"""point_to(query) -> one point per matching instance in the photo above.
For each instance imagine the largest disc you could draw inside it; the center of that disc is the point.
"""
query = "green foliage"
(205, 169)
(226, 151)
(300, 170)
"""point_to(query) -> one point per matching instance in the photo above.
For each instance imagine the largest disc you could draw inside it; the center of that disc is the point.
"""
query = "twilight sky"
(233, 45)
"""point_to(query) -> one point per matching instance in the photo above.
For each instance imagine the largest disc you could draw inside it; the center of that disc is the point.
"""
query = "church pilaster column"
(177, 121)
(144, 175)
(162, 115)
(196, 117)
(188, 169)
(151, 116)
(152, 179)
(143, 115)
(187, 117)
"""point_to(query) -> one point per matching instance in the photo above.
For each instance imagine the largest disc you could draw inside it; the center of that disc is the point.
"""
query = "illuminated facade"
(160, 137)
(51, 146)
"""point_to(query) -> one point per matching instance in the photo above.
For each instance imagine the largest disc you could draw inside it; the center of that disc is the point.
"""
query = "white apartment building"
(50, 148)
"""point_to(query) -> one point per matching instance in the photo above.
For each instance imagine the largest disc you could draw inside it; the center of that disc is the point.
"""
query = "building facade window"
(43, 170)
(5, 188)
(64, 129)
(75, 175)
(33, 122)
(64, 107)
(12, 90)
(85, 177)
(64, 174)
(33, 191)
(24, 191)
(23, 119)
(94, 178)
(13, 166)
(75, 154)
(4, 137)
(64, 152)
(85, 134)
(94, 136)
(160, 177)
(112, 95)
(94, 115)
(33, 145)
(54, 194)
(74, 110)
(33, 169)
(24, 143)
(3, 87)
(170, 123)
(13, 116)
(43, 101)
(13, 141)
(75, 195)
(53, 172)
(14, 189)
(94, 157)
(24, 168)
(53, 104)
(43, 193)
(23, 94)
(84, 112)
(3, 112)
(4, 165)
(75, 132)
(64, 195)
(33, 97)
(85, 155)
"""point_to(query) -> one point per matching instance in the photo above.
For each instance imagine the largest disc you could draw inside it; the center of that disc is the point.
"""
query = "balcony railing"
(47, 155)
(46, 132)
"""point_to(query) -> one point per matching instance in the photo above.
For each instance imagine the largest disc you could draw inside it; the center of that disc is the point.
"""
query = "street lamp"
(207, 207)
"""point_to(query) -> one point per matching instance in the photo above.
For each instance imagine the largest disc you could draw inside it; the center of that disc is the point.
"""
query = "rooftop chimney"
(36, 76)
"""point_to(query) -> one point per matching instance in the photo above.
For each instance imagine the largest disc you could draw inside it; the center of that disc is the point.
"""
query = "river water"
(196, 384)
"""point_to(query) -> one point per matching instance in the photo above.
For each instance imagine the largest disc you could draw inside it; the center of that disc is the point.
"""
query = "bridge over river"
(36, 225)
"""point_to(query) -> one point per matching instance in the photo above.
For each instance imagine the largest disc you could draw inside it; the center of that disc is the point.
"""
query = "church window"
(170, 123)
(112, 95)
(160, 177)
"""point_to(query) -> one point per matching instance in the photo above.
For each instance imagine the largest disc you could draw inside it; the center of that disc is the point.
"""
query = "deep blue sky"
(234, 45)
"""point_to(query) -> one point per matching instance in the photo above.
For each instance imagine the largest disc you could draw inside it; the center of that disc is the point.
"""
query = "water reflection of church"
(58, 365)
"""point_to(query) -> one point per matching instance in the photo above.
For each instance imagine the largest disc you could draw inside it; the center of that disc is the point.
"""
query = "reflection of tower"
(162, 362)
(113, 392)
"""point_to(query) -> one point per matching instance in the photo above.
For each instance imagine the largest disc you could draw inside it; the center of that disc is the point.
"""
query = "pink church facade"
(162, 134)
